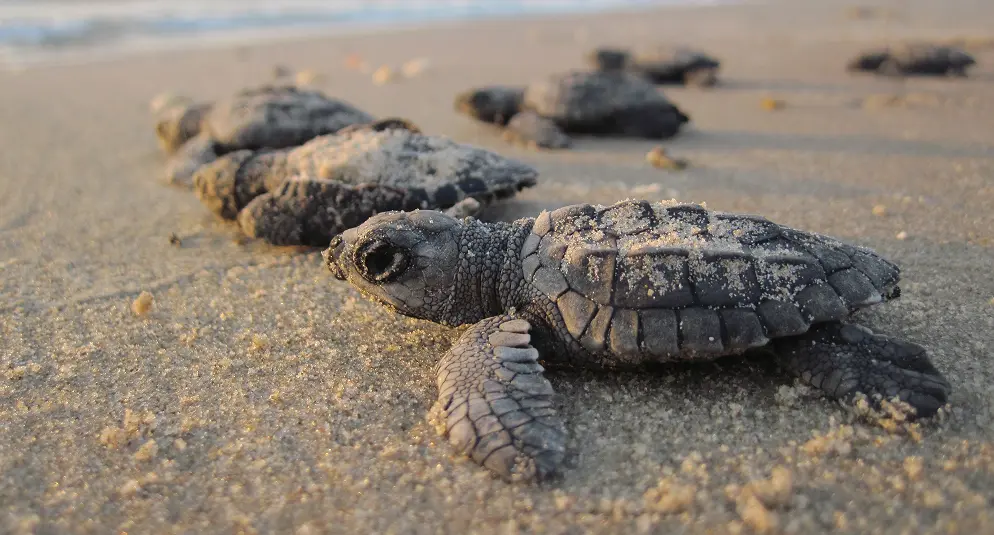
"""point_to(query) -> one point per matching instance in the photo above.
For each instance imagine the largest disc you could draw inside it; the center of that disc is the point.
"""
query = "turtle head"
(177, 121)
(608, 59)
(495, 104)
(404, 260)
(868, 62)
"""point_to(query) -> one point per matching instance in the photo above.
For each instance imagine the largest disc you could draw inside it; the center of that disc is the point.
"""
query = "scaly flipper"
(496, 404)
(843, 360)
(529, 127)
(467, 207)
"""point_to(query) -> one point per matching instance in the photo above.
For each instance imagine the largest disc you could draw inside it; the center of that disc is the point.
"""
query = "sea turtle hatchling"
(914, 59)
(611, 103)
(622, 285)
(307, 194)
(194, 134)
(659, 64)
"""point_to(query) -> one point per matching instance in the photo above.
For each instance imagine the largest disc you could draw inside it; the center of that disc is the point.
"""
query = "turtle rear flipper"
(844, 360)
(701, 77)
(494, 404)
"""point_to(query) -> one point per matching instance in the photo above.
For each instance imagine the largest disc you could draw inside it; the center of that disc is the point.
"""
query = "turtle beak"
(331, 255)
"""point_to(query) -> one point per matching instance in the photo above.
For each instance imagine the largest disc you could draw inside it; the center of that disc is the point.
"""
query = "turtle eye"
(380, 261)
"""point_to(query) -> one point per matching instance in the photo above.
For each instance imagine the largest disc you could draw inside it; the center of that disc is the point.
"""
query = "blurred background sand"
(259, 395)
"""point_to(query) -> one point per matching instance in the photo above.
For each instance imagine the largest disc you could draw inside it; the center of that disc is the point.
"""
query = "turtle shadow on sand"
(783, 85)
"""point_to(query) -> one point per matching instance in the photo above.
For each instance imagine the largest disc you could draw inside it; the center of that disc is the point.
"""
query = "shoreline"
(97, 40)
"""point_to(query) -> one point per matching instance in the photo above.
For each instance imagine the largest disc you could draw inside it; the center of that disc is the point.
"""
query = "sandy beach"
(261, 395)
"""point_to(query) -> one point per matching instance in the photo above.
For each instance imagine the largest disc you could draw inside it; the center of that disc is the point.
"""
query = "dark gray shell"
(586, 97)
(667, 280)
(436, 167)
(914, 58)
(611, 102)
(661, 64)
(426, 171)
(673, 58)
(277, 117)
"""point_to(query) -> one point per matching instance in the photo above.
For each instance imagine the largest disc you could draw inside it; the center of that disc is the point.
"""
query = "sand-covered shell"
(266, 116)
(674, 280)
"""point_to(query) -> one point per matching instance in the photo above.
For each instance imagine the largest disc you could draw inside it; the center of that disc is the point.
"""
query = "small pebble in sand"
(772, 104)
(879, 210)
(142, 304)
(260, 341)
(914, 466)
(130, 488)
(385, 74)
(174, 239)
(354, 62)
(755, 515)
(902, 235)
(309, 77)
(414, 67)
(776, 491)
(659, 159)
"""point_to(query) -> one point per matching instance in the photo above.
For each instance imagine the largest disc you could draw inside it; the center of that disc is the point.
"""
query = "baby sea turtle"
(623, 285)
(659, 64)
(914, 59)
(263, 117)
(597, 103)
(307, 194)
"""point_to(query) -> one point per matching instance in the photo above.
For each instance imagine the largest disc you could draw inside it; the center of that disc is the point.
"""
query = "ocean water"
(46, 31)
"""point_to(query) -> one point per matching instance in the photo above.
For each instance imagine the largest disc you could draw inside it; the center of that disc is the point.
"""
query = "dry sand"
(259, 395)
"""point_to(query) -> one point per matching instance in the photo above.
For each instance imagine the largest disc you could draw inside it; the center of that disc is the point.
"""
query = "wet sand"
(260, 395)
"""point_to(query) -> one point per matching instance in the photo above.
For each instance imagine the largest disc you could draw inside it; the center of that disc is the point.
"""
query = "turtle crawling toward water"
(622, 285)
(194, 134)
(914, 59)
(659, 64)
(307, 194)
(611, 103)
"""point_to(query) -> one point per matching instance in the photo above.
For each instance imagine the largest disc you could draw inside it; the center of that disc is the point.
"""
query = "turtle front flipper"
(468, 207)
(843, 360)
(495, 404)
(530, 128)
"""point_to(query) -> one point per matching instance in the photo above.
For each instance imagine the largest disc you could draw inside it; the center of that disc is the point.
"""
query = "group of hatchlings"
(585, 285)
